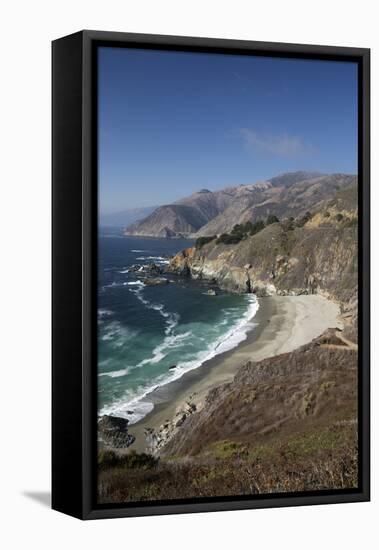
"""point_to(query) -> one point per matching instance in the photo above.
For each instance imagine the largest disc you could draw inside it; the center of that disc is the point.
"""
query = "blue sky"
(172, 123)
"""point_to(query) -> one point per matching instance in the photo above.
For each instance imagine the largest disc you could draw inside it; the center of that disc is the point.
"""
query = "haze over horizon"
(172, 123)
(209, 188)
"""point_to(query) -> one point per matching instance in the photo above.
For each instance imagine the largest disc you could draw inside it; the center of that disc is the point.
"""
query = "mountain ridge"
(207, 213)
(287, 422)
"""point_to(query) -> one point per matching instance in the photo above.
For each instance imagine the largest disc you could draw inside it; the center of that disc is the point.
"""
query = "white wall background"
(26, 31)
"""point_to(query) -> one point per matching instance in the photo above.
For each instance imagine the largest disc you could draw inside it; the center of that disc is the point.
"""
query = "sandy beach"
(283, 324)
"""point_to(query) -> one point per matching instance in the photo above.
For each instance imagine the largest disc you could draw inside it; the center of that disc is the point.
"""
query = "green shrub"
(237, 229)
(201, 241)
(109, 459)
(256, 227)
(288, 225)
(241, 231)
(302, 221)
(271, 218)
(248, 227)
(339, 217)
(225, 238)
(138, 460)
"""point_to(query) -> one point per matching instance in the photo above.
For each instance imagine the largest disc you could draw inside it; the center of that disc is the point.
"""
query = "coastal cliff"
(313, 254)
(286, 422)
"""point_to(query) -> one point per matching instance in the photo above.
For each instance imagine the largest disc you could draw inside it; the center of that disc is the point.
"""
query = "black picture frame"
(74, 205)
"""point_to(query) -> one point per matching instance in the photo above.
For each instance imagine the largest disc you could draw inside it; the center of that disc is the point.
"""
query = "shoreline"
(284, 323)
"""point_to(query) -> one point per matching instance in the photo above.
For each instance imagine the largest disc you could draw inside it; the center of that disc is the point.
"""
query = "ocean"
(151, 335)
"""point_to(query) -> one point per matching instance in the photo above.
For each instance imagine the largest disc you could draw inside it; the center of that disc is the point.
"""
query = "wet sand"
(283, 324)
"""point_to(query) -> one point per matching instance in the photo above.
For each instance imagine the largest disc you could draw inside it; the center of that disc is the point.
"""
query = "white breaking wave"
(101, 313)
(116, 373)
(112, 285)
(139, 251)
(168, 344)
(138, 403)
(157, 259)
(172, 319)
(117, 334)
(123, 283)
(134, 410)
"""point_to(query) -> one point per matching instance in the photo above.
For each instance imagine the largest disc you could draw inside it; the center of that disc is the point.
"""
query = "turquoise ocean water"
(145, 330)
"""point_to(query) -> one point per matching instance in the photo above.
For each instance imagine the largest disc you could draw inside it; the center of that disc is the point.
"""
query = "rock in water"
(113, 431)
(154, 268)
(210, 292)
(156, 281)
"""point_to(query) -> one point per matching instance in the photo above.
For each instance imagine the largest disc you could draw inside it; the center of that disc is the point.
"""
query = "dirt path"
(347, 344)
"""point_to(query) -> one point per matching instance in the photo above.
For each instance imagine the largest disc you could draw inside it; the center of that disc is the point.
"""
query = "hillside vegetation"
(208, 213)
(287, 423)
(314, 253)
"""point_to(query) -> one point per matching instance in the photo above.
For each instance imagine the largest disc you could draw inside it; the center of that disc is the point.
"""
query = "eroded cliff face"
(288, 422)
(294, 391)
(314, 259)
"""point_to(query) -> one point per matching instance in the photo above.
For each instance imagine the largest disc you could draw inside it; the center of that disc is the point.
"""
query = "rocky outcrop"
(113, 432)
(316, 384)
(319, 257)
(157, 439)
(157, 281)
(146, 269)
(310, 261)
(183, 261)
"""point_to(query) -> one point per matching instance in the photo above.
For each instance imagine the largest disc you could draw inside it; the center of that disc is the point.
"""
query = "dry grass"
(306, 463)
(286, 424)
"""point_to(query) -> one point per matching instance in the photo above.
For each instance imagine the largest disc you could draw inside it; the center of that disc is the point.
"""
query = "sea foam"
(138, 401)
(117, 334)
(172, 319)
(156, 259)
